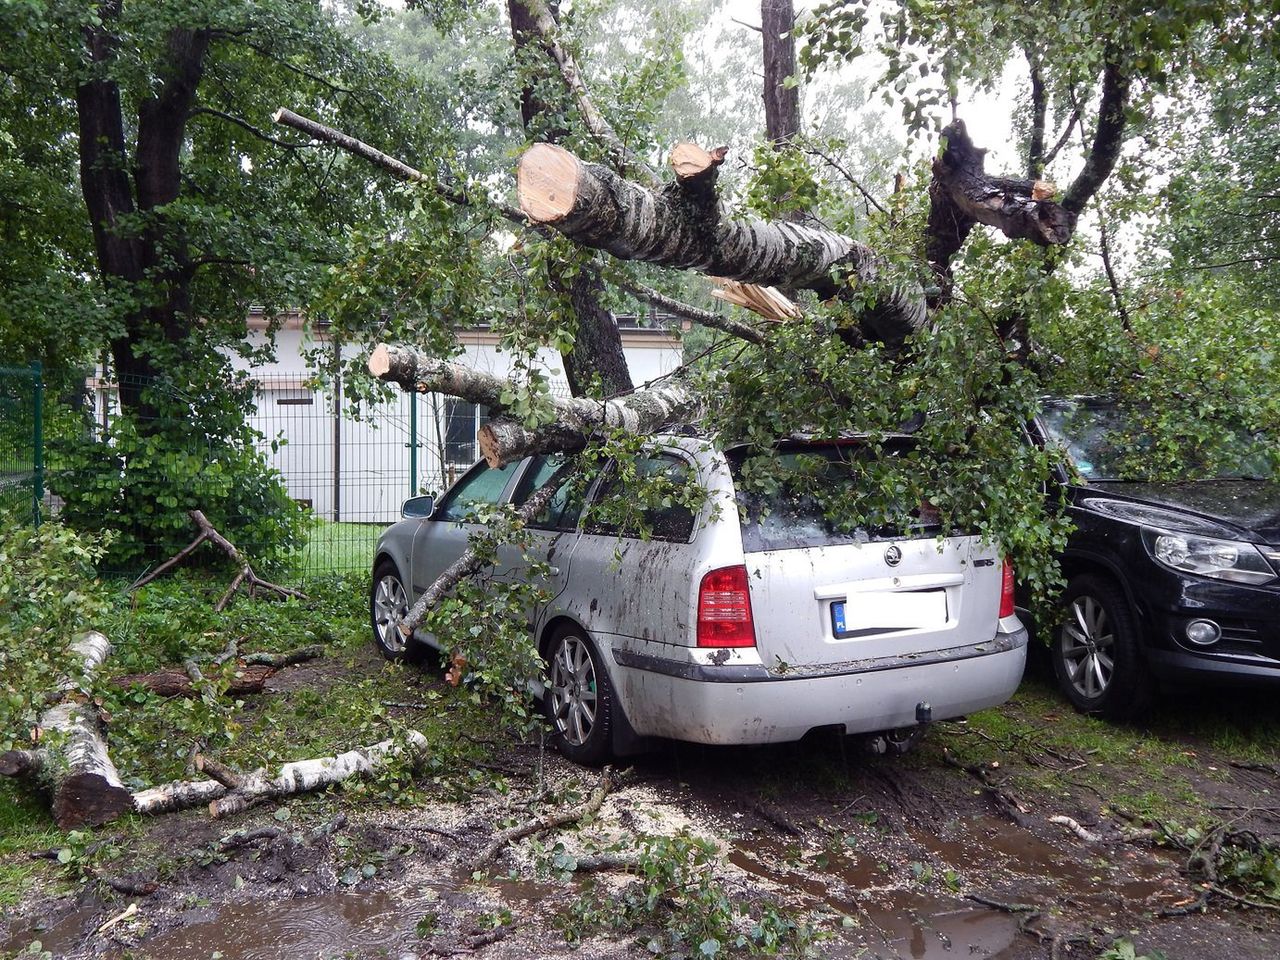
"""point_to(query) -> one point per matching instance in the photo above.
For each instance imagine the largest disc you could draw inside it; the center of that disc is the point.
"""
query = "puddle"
(317, 927)
(893, 923)
(898, 922)
(60, 935)
(1104, 880)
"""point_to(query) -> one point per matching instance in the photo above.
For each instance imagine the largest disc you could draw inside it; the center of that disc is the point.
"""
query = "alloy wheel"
(390, 607)
(1086, 649)
(573, 690)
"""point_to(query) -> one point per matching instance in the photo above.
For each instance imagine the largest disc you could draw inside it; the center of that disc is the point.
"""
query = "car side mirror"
(419, 508)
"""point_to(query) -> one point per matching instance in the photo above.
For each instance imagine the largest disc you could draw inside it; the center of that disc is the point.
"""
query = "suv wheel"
(1097, 654)
(579, 698)
(388, 605)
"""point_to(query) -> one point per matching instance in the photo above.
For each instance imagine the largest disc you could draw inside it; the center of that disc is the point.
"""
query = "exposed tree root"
(246, 576)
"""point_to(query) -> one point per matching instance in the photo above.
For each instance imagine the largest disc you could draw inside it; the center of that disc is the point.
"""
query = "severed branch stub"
(245, 576)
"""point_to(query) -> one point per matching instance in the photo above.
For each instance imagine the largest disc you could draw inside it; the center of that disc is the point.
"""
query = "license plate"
(889, 612)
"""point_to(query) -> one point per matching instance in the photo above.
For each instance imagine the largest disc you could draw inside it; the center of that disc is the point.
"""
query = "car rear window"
(806, 494)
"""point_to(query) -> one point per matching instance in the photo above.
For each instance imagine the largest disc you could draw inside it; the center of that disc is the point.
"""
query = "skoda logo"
(893, 556)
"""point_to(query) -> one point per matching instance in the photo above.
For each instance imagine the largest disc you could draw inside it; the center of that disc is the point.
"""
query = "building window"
(462, 422)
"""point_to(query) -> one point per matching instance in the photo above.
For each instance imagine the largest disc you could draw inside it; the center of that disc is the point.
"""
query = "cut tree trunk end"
(72, 761)
(684, 228)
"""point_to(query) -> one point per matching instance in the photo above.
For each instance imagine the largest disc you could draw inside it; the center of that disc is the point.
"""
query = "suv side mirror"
(419, 508)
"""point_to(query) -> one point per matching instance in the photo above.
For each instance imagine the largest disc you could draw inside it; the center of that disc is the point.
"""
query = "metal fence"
(22, 440)
(349, 466)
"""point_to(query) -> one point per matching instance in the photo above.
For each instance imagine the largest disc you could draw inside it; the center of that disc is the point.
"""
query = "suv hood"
(1250, 505)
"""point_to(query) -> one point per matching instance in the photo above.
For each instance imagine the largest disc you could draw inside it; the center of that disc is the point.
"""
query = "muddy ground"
(948, 852)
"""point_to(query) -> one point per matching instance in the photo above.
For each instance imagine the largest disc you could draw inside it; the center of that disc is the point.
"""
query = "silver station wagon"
(747, 620)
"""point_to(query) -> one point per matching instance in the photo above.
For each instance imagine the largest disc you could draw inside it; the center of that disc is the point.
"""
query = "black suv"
(1165, 581)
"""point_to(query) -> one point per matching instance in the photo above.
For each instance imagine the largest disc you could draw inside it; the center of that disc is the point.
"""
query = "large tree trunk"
(683, 226)
(781, 99)
(126, 261)
(596, 361)
(72, 761)
(502, 439)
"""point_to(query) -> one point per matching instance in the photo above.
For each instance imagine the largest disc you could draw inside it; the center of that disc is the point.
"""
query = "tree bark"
(641, 412)
(1108, 137)
(176, 682)
(75, 766)
(302, 776)
(177, 795)
(962, 194)
(596, 360)
(781, 101)
(591, 205)
(127, 261)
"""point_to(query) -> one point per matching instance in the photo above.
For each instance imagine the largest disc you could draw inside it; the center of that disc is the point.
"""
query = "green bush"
(145, 477)
(48, 594)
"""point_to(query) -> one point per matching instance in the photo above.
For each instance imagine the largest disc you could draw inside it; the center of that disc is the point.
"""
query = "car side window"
(666, 521)
(483, 484)
(562, 512)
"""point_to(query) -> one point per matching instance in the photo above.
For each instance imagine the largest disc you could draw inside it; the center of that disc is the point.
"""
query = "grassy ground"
(339, 547)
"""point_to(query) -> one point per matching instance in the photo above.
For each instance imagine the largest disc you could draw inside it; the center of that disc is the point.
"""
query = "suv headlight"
(1233, 560)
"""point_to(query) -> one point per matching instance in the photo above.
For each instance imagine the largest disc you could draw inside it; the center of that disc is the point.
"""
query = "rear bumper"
(743, 704)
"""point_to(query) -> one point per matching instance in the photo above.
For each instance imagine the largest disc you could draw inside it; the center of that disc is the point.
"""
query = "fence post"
(37, 459)
(413, 443)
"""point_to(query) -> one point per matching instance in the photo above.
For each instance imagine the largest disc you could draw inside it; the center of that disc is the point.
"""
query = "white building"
(360, 465)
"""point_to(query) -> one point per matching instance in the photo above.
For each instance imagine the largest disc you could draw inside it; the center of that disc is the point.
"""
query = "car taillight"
(724, 609)
(1006, 589)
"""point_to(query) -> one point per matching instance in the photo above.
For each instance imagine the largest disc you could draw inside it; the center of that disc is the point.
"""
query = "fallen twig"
(242, 838)
(279, 660)
(1007, 803)
(1077, 828)
(327, 829)
(777, 818)
(547, 822)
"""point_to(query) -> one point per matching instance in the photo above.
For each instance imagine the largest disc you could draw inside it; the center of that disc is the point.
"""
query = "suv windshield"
(814, 494)
(1107, 441)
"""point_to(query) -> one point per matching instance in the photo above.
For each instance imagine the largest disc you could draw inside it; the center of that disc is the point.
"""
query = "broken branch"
(550, 821)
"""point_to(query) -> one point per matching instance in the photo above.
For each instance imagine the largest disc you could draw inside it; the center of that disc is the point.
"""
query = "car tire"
(578, 700)
(388, 605)
(1097, 651)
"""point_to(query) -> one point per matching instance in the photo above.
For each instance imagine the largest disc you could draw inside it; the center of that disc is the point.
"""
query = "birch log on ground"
(72, 759)
(177, 795)
(503, 439)
(678, 227)
(302, 776)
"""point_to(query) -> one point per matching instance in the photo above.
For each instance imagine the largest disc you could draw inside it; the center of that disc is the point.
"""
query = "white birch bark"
(303, 776)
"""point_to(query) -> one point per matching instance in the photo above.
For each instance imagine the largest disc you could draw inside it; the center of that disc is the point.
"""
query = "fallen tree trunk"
(177, 795)
(302, 776)
(177, 682)
(72, 759)
(502, 441)
(683, 226)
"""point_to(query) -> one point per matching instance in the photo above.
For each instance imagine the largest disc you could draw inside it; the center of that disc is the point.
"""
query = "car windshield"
(1108, 441)
(815, 494)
